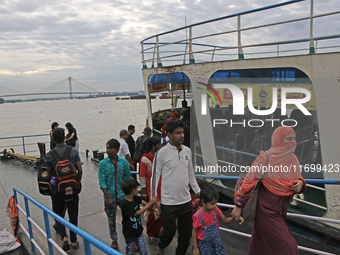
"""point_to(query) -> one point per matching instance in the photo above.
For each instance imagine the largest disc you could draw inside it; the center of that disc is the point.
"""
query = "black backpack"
(66, 176)
(140, 148)
(44, 182)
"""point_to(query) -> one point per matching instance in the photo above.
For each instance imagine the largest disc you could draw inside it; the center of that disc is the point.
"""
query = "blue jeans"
(111, 218)
(139, 241)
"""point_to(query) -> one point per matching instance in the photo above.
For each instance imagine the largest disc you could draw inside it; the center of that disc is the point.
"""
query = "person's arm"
(142, 175)
(71, 136)
(194, 242)
(127, 172)
(129, 160)
(147, 206)
(299, 186)
(49, 171)
(156, 173)
(109, 200)
(229, 219)
(192, 178)
(103, 185)
(80, 171)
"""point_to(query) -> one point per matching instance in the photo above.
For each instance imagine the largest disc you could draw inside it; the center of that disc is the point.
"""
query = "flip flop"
(75, 246)
(66, 246)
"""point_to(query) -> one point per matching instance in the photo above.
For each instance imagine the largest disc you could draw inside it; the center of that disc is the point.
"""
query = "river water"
(97, 120)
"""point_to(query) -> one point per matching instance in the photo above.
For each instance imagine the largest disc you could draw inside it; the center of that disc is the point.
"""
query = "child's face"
(135, 192)
(210, 206)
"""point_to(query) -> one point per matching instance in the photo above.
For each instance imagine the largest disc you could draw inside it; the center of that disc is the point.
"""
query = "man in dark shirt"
(59, 204)
(130, 141)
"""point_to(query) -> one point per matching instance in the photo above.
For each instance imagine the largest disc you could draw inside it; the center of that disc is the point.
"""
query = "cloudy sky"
(97, 42)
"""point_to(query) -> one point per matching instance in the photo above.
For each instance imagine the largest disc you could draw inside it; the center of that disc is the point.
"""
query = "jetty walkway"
(92, 218)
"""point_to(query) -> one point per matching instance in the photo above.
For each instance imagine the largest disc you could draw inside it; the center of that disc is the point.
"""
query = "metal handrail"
(238, 30)
(321, 219)
(311, 181)
(23, 144)
(87, 238)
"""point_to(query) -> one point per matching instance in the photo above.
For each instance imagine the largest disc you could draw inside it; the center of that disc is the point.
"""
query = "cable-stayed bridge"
(68, 86)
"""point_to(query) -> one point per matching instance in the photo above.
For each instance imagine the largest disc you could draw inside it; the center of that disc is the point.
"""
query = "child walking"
(132, 226)
(206, 234)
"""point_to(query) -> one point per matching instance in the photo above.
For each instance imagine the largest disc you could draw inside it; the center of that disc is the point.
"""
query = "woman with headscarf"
(283, 179)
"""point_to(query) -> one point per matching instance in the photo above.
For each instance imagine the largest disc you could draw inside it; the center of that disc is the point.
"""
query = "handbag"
(249, 209)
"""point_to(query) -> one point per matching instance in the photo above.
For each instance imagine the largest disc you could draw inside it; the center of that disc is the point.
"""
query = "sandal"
(75, 246)
(65, 246)
(157, 252)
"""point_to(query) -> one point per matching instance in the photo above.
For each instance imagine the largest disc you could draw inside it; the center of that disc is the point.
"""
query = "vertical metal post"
(191, 54)
(311, 40)
(143, 59)
(278, 50)
(48, 233)
(29, 224)
(153, 57)
(240, 50)
(159, 63)
(70, 85)
(212, 57)
(23, 145)
(87, 247)
(185, 52)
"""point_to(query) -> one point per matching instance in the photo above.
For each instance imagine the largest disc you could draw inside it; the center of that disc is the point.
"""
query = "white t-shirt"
(177, 173)
(123, 149)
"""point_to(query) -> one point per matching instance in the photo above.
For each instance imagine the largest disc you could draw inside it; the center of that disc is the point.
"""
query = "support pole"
(311, 40)
(70, 85)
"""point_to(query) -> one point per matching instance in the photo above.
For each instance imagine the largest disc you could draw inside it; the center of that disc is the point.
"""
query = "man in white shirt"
(124, 151)
(174, 163)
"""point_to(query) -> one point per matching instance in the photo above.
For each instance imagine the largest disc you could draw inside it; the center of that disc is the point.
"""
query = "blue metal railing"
(309, 181)
(87, 239)
(23, 144)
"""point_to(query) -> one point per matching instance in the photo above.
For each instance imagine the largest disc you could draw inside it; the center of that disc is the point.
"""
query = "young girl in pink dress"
(206, 234)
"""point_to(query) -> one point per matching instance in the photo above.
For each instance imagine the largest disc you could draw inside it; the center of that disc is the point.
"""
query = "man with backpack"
(61, 163)
(141, 145)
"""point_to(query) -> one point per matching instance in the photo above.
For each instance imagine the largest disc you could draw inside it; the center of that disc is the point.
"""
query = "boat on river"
(243, 91)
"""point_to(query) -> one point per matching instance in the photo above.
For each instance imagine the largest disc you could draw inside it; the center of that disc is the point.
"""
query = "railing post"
(143, 59)
(240, 50)
(153, 57)
(29, 224)
(311, 40)
(159, 63)
(191, 54)
(23, 145)
(278, 50)
(48, 233)
(87, 247)
(212, 57)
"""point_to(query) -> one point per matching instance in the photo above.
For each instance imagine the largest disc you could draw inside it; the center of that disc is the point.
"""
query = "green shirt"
(107, 175)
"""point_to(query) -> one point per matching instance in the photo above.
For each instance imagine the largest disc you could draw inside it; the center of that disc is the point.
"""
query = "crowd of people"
(169, 192)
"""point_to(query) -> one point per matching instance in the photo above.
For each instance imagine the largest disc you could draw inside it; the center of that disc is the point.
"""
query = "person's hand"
(110, 202)
(241, 220)
(132, 167)
(195, 251)
(156, 211)
(153, 200)
(297, 186)
(236, 213)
